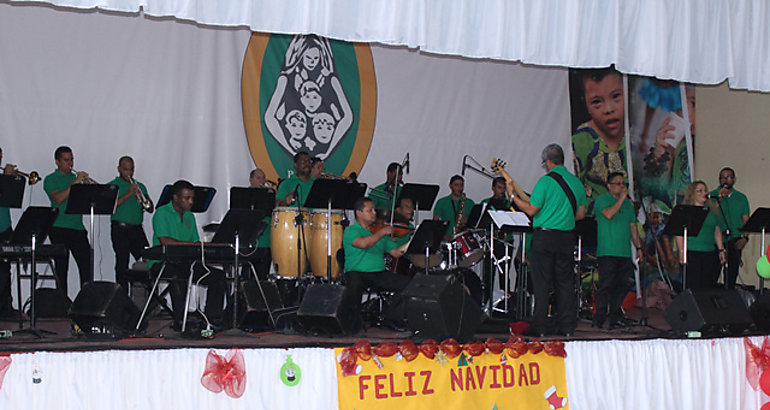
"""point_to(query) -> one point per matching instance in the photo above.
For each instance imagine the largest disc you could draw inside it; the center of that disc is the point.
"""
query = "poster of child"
(597, 100)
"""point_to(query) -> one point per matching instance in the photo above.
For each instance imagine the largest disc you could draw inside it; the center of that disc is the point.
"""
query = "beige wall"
(732, 130)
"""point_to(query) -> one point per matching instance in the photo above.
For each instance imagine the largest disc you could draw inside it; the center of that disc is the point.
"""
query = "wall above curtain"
(697, 41)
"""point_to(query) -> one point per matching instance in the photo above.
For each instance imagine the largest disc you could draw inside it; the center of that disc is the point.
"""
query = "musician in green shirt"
(68, 229)
(6, 302)
(295, 189)
(126, 231)
(174, 224)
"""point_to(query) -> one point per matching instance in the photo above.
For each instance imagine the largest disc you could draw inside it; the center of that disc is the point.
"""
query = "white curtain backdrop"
(698, 41)
(168, 93)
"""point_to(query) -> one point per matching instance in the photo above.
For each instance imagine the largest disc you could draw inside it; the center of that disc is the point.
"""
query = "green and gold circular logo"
(308, 93)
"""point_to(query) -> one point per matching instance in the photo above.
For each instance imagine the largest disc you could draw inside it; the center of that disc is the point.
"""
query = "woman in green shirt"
(706, 251)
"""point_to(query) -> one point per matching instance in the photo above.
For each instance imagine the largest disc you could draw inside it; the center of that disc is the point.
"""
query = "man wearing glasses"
(616, 228)
(295, 189)
(735, 211)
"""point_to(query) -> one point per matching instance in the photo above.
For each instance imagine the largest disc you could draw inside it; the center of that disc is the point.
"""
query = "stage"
(634, 368)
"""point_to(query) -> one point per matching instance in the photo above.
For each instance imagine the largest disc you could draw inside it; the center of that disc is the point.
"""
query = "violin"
(399, 223)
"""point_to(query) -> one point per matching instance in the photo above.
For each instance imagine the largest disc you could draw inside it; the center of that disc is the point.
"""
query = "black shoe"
(619, 324)
(567, 333)
(597, 323)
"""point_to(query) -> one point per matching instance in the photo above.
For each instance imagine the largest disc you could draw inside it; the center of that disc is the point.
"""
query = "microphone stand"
(725, 239)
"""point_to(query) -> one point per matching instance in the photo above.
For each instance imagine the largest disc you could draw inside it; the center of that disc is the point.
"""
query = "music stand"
(11, 191)
(337, 194)
(92, 199)
(685, 220)
(252, 198)
(759, 222)
(427, 239)
(507, 222)
(203, 195)
(32, 228)
(246, 225)
(423, 196)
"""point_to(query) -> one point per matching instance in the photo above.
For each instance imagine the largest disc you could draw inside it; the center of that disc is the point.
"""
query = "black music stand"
(92, 199)
(427, 239)
(203, 195)
(241, 225)
(252, 198)
(333, 194)
(11, 191)
(759, 222)
(508, 222)
(685, 221)
(423, 196)
(32, 229)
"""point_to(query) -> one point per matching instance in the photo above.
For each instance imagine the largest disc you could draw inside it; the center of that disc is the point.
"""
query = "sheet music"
(501, 218)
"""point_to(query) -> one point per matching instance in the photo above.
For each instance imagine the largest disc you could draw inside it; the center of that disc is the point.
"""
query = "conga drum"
(284, 232)
(319, 243)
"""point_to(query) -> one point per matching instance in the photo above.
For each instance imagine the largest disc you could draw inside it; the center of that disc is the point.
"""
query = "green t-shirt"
(290, 184)
(383, 199)
(5, 219)
(614, 234)
(446, 209)
(555, 208)
(705, 242)
(734, 207)
(594, 161)
(364, 260)
(56, 181)
(130, 211)
(264, 239)
(166, 223)
(507, 206)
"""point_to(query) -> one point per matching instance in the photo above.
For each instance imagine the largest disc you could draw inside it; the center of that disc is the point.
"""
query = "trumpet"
(271, 184)
(88, 180)
(32, 178)
(331, 176)
(141, 197)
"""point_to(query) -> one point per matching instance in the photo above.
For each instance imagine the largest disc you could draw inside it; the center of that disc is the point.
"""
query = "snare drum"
(469, 247)
(319, 241)
(433, 260)
(284, 232)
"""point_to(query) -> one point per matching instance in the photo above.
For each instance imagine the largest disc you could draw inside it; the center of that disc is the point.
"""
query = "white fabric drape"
(698, 41)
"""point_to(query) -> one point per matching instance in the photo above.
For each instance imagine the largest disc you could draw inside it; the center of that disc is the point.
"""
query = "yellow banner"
(488, 381)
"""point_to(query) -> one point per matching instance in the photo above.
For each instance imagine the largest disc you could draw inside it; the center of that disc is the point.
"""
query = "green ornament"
(290, 372)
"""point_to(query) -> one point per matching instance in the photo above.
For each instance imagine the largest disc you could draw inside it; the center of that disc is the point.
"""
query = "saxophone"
(459, 215)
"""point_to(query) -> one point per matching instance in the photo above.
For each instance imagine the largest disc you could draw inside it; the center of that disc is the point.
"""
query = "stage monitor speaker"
(760, 312)
(51, 303)
(104, 308)
(710, 311)
(328, 309)
(252, 312)
(439, 306)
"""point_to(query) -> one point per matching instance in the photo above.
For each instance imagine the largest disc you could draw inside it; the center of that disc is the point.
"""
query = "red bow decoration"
(225, 373)
(5, 364)
(757, 360)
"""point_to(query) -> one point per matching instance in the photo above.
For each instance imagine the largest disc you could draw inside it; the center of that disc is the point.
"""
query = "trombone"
(32, 178)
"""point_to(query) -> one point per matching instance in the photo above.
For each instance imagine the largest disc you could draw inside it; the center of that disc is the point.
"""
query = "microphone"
(714, 196)
(725, 185)
(407, 162)
(464, 158)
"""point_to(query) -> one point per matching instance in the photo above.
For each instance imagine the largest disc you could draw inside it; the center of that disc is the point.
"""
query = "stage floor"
(159, 335)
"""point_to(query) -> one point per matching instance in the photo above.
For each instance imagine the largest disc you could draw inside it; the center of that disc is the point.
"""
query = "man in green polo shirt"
(67, 229)
(554, 208)
(448, 207)
(382, 194)
(126, 231)
(735, 210)
(6, 302)
(364, 256)
(295, 189)
(174, 224)
(616, 228)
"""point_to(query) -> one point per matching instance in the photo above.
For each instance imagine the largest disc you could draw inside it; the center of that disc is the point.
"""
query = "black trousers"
(702, 269)
(5, 276)
(552, 262)
(127, 241)
(76, 242)
(179, 273)
(357, 282)
(614, 272)
(733, 263)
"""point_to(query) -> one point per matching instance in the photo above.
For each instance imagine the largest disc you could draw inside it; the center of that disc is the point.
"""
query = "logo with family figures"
(308, 93)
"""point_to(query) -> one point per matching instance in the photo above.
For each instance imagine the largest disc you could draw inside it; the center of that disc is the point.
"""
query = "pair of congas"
(299, 240)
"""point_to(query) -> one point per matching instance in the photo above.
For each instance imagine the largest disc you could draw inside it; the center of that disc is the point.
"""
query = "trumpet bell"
(32, 178)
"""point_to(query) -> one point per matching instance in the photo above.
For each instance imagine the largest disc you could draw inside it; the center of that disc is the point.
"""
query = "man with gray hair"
(557, 201)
